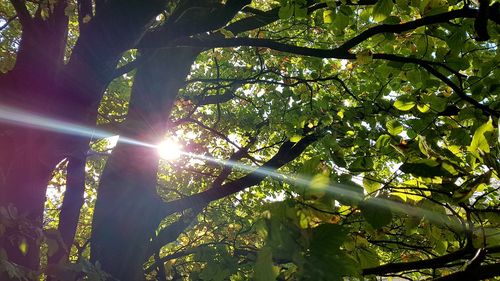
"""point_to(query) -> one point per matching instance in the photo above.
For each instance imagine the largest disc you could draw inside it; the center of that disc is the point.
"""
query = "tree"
(321, 139)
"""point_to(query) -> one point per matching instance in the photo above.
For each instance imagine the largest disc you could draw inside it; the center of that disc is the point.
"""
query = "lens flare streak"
(27, 119)
(342, 190)
(23, 118)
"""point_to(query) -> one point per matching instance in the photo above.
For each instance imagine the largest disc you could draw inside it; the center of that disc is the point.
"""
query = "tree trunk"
(125, 215)
(40, 84)
(70, 208)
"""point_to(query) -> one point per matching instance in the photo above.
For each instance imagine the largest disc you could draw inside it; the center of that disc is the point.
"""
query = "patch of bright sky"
(276, 197)
(190, 135)
(55, 192)
(111, 141)
(234, 138)
(391, 96)
(343, 64)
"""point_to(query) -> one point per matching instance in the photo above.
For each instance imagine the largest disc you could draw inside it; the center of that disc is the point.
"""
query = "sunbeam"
(27, 119)
(171, 150)
(339, 189)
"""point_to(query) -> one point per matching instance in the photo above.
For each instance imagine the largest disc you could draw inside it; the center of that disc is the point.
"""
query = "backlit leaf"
(394, 127)
(382, 10)
(376, 212)
(404, 103)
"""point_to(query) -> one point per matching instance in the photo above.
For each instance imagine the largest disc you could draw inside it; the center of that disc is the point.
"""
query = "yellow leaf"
(295, 138)
(23, 246)
(328, 16)
(479, 141)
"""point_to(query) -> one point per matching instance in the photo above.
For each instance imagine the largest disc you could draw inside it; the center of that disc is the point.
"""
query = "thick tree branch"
(22, 13)
(200, 19)
(173, 230)
(221, 42)
(170, 31)
(286, 153)
(438, 262)
(407, 26)
(342, 50)
(481, 22)
(70, 209)
(214, 99)
(473, 273)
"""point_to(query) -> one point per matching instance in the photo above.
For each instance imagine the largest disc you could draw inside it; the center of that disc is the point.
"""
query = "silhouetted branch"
(287, 152)
(201, 19)
(339, 52)
(22, 12)
(84, 9)
(438, 262)
(71, 205)
(7, 22)
(474, 273)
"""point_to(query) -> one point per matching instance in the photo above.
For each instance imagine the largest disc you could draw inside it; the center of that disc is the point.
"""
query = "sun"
(169, 149)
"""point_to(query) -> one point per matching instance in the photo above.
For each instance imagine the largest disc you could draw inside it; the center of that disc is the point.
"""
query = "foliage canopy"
(322, 139)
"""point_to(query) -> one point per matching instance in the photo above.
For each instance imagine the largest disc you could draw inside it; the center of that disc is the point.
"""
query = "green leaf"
(348, 192)
(325, 253)
(367, 258)
(423, 107)
(376, 212)
(226, 33)
(327, 238)
(361, 164)
(383, 141)
(285, 12)
(404, 103)
(295, 138)
(328, 16)
(364, 57)
(371, 185)
(382, 10)
(479, 140)
(264, 267)
(425, 168)
(300, 11)
(394, 127)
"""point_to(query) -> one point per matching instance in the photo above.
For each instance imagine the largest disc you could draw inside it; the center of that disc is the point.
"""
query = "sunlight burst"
(169, 149)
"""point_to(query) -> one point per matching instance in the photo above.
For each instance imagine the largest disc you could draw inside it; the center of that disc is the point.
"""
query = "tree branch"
(84, 9)
(286, 153)
(71, 205)
(403, 27)
(214, 99)
(173, 230)
(339, 52)
(486, 110)
(22, 13)
(7, 22)
(474, 273)
(201, 19)
(438, 262)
